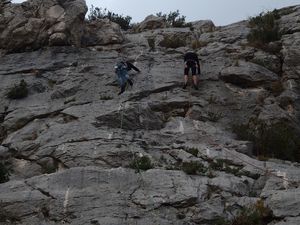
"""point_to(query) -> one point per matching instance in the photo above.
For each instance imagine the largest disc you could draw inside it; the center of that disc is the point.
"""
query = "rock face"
(152, 22)
(247, 74)
(73, 149)
(102, 32)
(33, 24)
(204, 26)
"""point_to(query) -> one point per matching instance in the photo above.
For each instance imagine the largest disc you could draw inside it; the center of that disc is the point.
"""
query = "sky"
(221, 12)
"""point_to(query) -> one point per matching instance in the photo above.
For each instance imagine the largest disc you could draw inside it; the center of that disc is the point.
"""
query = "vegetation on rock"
(278, 140)
(4, 173)
(264, 29)
(174, 19)
(193, 167)
(257, 214)
(100, 13)
(18, 91)
(141, 163)
(171, 41)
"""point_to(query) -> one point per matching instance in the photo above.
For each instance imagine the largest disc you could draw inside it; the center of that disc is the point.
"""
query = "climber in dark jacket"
(121, 69)
(191, 61)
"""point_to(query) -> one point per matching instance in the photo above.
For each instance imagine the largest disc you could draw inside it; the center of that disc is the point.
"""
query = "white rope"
(142, 182)
(66, 201)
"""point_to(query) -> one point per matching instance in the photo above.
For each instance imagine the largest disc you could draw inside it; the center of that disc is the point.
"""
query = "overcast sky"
(221, 12)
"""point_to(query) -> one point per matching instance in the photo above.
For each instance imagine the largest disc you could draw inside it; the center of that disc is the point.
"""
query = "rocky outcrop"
(74, 148)
(33, 24)
(102, 32)
(247, 74)
(151, 22)
(204, 26)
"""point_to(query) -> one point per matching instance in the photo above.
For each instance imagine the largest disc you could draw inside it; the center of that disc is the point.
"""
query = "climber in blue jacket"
(121, 69)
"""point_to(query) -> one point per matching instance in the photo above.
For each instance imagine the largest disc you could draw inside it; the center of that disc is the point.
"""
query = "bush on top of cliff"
(173, 19)
(99, 13)
(264, 29)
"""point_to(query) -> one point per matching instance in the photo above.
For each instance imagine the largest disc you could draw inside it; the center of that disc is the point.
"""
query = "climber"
(121, 69)
(191, 61)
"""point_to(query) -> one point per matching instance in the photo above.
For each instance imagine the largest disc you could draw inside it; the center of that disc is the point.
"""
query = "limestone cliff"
(74, 148)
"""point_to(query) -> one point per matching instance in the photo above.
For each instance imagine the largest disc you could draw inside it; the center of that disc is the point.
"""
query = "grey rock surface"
(102, 32)
(33, 24)
(71, 146)
(284, 203)
(151, 22)
(289, 221)
(204, 26)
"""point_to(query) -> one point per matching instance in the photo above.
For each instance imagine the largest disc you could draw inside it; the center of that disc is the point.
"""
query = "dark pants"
(190, 65)
(123, 86)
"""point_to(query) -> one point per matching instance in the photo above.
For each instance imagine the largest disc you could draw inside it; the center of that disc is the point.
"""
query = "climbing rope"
(141, 180)
(120, 109)
(190, 102)
(189, 110)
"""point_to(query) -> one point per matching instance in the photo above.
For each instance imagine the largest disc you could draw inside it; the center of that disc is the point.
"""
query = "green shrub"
(141, 163)
(214, 116)
(257, 214)
(99, 13)
(221, 221)
(106, 97)
(51, 83)
(18, 91)
(225, 165)
(254, 215)
(193, 167)
(4, 173)
(196, 44)
(264, 29)
(193, 151)
(279, 140)
(151, 43)
(180, 216)
(70, 100)
(8, 217)
(173, 19)
(276, 88)
(48, 169)
(260, 62)
(218, 164)
(172, 42)
(212, 190)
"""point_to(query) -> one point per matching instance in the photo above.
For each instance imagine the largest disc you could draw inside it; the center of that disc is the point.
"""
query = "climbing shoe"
(121, 92)
(122, 89)
(195, 87)
(130, 82)
(184, 86)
